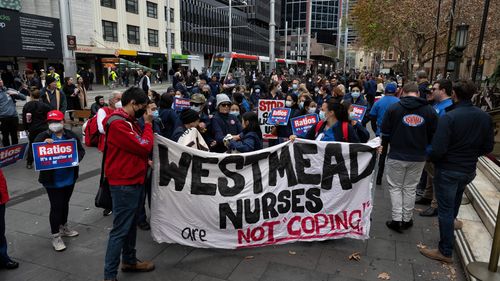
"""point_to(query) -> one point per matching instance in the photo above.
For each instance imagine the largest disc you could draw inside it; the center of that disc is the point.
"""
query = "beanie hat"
(49, 80)
(189, 116)
(97, 98)
(222, 98)
(391, 88)
(55, 115)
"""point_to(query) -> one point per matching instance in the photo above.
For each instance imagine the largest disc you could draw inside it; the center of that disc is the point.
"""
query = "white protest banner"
(300, 191)
(265, 107)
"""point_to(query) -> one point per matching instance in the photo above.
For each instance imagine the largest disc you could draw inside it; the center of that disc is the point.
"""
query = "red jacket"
(128, 150)
(108, 111)
(4, 195)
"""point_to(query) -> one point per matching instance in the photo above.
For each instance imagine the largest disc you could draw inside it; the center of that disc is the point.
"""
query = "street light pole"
(286, 38)
(230, 36)
(308, 23)
(450, 31)
(480, 42)
(346, 34)
(169, 41)
(435, 41)
(272, 34)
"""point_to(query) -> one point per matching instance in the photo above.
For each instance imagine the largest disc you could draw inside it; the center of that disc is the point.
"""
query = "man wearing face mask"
(295, 87)
(125, 166)
(59, 183)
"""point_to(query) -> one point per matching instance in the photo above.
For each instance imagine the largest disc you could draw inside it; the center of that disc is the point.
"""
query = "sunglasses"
(197, 104)
(225, 105)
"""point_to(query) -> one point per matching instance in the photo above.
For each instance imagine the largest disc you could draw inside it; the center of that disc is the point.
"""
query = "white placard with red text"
(265, 108)
(300, 191)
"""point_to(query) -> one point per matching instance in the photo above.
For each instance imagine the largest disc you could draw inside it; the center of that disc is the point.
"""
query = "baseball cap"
(391, 88)
(55, 115)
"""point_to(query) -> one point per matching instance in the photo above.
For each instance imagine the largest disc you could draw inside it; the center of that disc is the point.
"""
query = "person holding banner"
(223, 124)
(59, 182)
(127, 157)
(250, 138)
(5, 261)
(285, 131)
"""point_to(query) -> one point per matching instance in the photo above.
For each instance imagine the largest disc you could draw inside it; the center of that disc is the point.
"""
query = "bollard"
(488, 271)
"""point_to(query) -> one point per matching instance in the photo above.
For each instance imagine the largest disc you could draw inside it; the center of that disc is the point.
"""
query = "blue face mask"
(235, 113)
(301, 105)
(322, 115)
(295, 86)
(355, 94)
(156, 114)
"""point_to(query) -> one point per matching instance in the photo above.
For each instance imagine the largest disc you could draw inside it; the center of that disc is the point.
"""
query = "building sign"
(71, 40)
(27, 35)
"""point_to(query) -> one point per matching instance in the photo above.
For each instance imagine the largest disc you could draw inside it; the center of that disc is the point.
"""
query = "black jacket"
(463, 134)
(408, 126)
(47, 177)
(38, 111)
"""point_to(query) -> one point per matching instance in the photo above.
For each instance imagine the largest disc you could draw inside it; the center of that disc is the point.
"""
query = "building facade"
(205, 27)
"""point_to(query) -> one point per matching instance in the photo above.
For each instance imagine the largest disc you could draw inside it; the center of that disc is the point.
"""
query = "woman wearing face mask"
(361, 131)
(310, 107)
(198, 102)
(223, 124)
(235, 110)
(355, 96)
(59, 183)
(284, 132)
(250, 138)
(336, 126)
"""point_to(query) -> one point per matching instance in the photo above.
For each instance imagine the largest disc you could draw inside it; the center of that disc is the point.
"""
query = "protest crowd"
(431, 135)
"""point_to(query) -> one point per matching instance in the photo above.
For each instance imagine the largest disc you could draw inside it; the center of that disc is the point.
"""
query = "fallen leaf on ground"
(384, 276)
(292, 252)
(249, 257)
(355, 256)
(420, 245)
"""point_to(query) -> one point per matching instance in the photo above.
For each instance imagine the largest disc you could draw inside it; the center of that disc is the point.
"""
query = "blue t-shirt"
(379, 109)
(441, 106)
(62, 177)
(328, 134)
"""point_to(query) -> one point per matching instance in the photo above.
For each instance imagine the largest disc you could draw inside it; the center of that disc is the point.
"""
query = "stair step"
(485, 198)
(473, 242)
(490, 170)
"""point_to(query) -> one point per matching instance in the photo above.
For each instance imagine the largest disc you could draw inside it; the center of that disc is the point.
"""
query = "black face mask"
(139, 113)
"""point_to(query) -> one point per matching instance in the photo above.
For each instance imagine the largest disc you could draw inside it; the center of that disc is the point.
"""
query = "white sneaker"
(66, 232)
(58, 243)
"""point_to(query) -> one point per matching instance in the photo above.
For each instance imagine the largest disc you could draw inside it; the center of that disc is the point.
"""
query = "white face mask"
(288, 103)
(196, 108)
(312, 110)
(118, 104)
(257, 91)
(56, 127)
(352, 115)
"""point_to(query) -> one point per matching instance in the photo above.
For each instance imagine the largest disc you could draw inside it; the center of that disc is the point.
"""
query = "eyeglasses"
(225, 105)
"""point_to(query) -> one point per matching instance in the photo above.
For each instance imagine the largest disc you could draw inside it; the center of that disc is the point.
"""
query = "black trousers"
(8, 127)
(381, 160)
(59, 206)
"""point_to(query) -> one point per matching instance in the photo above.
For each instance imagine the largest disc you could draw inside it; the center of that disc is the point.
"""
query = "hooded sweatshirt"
(408, 126)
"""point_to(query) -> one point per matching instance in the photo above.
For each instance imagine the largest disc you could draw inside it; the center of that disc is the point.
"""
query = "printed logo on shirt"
(413, 120)
(232, 122)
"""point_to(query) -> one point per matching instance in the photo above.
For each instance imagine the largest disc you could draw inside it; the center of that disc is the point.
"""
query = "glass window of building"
(172, 15)
(133, 34)
(153, 37)
(109, 31)
(108, 3)
(152, 9)
(132, 6)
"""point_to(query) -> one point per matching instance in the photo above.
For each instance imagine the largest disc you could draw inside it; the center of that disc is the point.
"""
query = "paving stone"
(380, 230)
(202, 277)
(408, 252)
(249, 269)
(209, 262)
(336, 262)
(32, 272)
(172, 255)
(159, 274)
(381, 248)
(281, 272)
(25, 222)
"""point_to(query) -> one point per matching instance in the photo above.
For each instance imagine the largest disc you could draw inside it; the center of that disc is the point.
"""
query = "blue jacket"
(463, 134)
(222, 125)
(170, 121)
(380, 107)
(440, 107)
(250, 141)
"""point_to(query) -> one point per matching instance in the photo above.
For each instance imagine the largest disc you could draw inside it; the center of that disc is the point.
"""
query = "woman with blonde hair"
(82, 92)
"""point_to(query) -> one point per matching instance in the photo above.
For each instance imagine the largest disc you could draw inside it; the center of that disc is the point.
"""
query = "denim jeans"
(123, 235)
(449, 188)
(4, 258)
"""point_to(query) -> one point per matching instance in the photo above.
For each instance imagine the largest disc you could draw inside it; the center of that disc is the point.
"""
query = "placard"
(11, 154)
(359, 112)
(56, 155)
(181, 103)
(264, 108)
(302, 124)
(279, 116)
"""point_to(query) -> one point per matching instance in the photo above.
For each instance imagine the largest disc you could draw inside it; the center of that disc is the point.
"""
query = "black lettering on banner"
(281, 164)
(239, 180)
(302, 163)
(197, 172)
(315, 204)
(257, 175)
(330, 170)
(284, 201)
(354, 149)
(170, 171)
(252, 216)
(225, 212)
(268, 204)
(296, 207)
